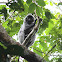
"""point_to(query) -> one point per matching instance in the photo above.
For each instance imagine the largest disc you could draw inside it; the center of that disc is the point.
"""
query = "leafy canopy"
(48, 38)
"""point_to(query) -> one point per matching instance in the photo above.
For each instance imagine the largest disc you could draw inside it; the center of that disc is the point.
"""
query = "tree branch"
(14, 48)
(5, 37)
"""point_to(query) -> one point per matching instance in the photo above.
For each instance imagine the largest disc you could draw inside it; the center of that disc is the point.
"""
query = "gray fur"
(21, 34)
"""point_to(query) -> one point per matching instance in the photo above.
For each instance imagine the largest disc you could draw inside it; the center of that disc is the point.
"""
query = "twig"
(10, 15)
(51, 49)
(56, 5)
(38, 50)
(3, 2)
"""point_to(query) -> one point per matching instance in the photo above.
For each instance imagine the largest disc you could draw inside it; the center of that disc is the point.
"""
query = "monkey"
(26, 28)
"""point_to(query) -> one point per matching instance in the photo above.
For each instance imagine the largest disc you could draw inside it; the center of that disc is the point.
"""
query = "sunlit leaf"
(32, 7)
(2, 6)
(28, 1)
(41, 2)
(38, 10)
(26, 8)
(60, 3)
(51, 3)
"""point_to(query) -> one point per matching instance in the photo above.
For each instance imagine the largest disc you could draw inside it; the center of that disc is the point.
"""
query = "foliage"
(48, 42)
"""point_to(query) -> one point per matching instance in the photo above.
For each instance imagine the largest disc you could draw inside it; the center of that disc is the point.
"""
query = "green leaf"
(32, 7)
(51, 3)
(41, 3)
(3, 45)
(4, 10)
(26, 8)
(28, 1)
(18, 6)
(38, 51)
(38, 11)
(2, 6)
(5, 24)
(48, 15)
(35, 44)
(14, 30)
(43, 44)
(50, 26)
(60, 3)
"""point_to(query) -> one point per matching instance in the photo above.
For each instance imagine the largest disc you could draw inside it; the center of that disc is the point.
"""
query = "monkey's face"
(29, 19)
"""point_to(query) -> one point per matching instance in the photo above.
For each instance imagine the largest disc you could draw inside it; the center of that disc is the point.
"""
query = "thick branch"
(16, 49)
(5, 37)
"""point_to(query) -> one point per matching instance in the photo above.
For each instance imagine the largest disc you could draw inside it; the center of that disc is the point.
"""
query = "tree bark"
(15, 48)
